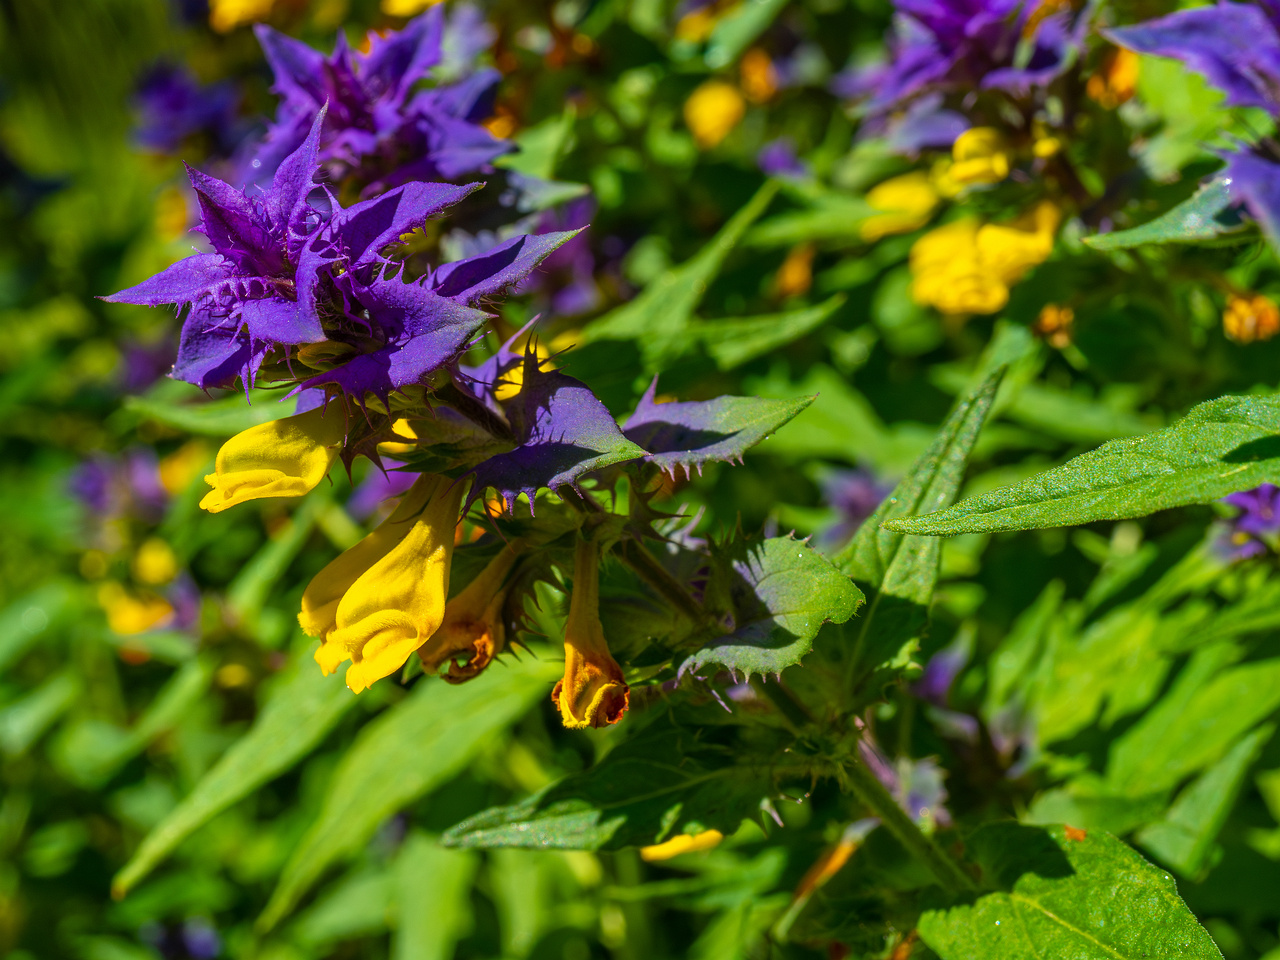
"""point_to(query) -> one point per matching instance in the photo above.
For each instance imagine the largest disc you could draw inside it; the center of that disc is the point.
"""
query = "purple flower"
(1257, 525)
(241, 300)
(172, 106)
(962, 45)
(124, 485)
(1236, 47)
(282, 274)
(778, 159)
(855, 494)
(380, 127)
(377, 487)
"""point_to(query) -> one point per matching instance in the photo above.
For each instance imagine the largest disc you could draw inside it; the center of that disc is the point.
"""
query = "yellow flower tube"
(593, 692)
(283, 458)
(377, 602)
(472, 630)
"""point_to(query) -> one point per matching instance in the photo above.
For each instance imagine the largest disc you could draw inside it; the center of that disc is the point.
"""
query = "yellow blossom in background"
(1117, 80)
(593, 692)
(1055, 325)
(712, 111)
(406, 8)
(179, 468)
(502, 124)
(684, 843)
(173, 218)
(284, 458)
(795, 276)
(965, 267)
(758, 76)
(472, 632)
(154, 562)
(979, 156)
(226, 15)
(376, 603)
(907, 203)
(129, 613)
(1250, 318)
(696, 25)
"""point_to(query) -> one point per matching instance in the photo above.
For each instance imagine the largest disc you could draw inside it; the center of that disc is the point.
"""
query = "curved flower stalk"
(377, 602)
(473, 632)
(382, 128)
(593, 692)
(283, 458)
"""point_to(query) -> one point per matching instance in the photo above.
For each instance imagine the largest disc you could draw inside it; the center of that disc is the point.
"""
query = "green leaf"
(659, 316)
(734, 33)
(27, 619)
(1085, 898)
(732, 343)
(1225, 445)
(216, 418)
(664, 781)
(433, 889)
(689, 434)
(302, 708)
(1206, 215)
(900, 572)
(1201, 717)
(832, 217)
(779, 593)
(1184, 839)
(415, 746)
(23, 723)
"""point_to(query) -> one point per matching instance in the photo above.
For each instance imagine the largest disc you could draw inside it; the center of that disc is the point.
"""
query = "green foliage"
(1219, 447)
(1056, 892)
(1205, 216)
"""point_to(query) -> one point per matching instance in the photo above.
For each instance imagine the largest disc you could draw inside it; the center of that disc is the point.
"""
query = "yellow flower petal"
(908, 201)
(684, 843)
(593, 692)
(283, 458)
(712, 111)
(377, 602)
(980, 157)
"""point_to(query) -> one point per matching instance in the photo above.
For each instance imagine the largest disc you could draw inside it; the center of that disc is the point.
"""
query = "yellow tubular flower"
(1250, 318)
(712, 111)
(593, 692)
(472, 630)
(377, 602)
(283, 458)
(684, 843)
(979, 156)
(406, 8)
(907, 203)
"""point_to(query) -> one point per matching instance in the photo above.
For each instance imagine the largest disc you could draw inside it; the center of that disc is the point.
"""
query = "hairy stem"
(635, 556)
(873, 793)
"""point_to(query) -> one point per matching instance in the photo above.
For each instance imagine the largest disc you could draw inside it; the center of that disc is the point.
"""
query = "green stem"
(655, 575)
(873, 793)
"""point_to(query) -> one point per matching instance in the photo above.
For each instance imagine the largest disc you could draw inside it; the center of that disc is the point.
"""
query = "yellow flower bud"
(759, 76)
(1250, 318)
(376, 603)
(593, 692)
(472, 630)
(684, 843)
(908, 202)
(1056, 325)
(1116, 81)
(712, 111)
(406, 8)
(979, 157)
(283, 458)
(128, 613)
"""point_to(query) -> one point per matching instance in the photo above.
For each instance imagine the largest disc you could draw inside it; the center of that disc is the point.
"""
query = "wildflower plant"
(696, 479)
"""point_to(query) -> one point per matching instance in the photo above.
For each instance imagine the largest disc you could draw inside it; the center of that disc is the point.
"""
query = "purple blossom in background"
(778, 159)
(916, 784)
(124, 485)
(1256, 527)
(855, 495)
(568, 274)
(377, 488)
(466, 35)
(380, 125)
(172, 106)
(184, 596)
(962, 45)
(1236, 47)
